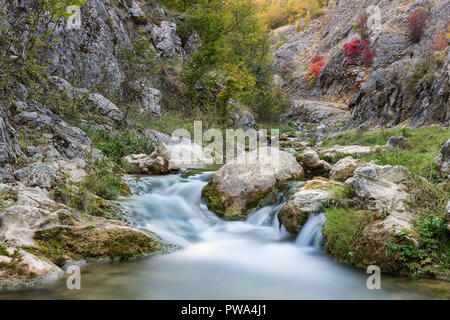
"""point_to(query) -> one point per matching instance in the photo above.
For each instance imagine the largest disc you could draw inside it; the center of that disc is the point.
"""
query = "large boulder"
(383, 191)
(156, 163)
(442, 161)
(383, 188)
(244, 181)
(312, 164)
(344, 168)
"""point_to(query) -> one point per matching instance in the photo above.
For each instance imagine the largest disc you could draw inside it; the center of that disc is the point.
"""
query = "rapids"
(218, 259)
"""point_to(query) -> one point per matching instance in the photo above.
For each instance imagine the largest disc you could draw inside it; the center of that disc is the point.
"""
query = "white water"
(310, 235)
(218, 259)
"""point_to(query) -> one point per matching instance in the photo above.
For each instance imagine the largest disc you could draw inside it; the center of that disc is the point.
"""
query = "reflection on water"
(253, 259)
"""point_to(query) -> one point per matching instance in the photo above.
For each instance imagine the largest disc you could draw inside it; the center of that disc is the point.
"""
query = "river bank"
(217, 259)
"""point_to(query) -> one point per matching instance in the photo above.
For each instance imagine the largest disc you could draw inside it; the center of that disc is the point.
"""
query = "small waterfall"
(310, 235)
(173, 209)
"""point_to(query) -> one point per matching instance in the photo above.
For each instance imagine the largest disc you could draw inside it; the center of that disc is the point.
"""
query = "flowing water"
(217, 259)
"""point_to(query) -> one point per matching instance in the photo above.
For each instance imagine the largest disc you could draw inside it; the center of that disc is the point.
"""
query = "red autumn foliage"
(416, 24)
(354, 49)
(315, 66)
(439, 42)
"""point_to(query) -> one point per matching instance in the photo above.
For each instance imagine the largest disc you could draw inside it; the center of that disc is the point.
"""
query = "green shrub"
(117, 145)
(432, 252)
(102, 183)
(104, 180)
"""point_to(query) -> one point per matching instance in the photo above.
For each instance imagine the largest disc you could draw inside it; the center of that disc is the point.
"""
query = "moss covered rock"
(64, 244)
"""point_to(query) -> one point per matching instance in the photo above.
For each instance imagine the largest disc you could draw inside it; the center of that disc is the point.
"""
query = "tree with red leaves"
(354, 49)
(416, 24)
(314, 69)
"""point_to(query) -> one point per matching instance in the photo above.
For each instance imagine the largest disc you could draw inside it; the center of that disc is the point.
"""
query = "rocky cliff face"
(45, 158)
(406, 83)
(90, 53)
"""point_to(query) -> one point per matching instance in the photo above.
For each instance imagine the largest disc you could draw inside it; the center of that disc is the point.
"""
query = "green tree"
(233, 61)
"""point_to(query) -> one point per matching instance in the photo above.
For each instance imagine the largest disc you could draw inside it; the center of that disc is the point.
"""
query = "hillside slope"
(406, 83)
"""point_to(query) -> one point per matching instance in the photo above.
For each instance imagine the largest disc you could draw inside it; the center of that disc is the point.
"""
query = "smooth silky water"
(217, 259)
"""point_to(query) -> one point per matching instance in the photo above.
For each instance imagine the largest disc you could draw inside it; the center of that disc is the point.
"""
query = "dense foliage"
(232, 62)
(120, 144)
(357, 49)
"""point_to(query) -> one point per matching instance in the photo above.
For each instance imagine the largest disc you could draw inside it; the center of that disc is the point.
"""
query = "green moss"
(213, 199)
(125, 189)
(339, 192)
(3, 251)
(62, 244)
(14, 271)
(103, 182)
(79, 198)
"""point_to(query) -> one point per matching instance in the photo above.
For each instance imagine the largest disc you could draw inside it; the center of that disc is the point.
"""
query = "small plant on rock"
(361, 26)
(416, 24)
